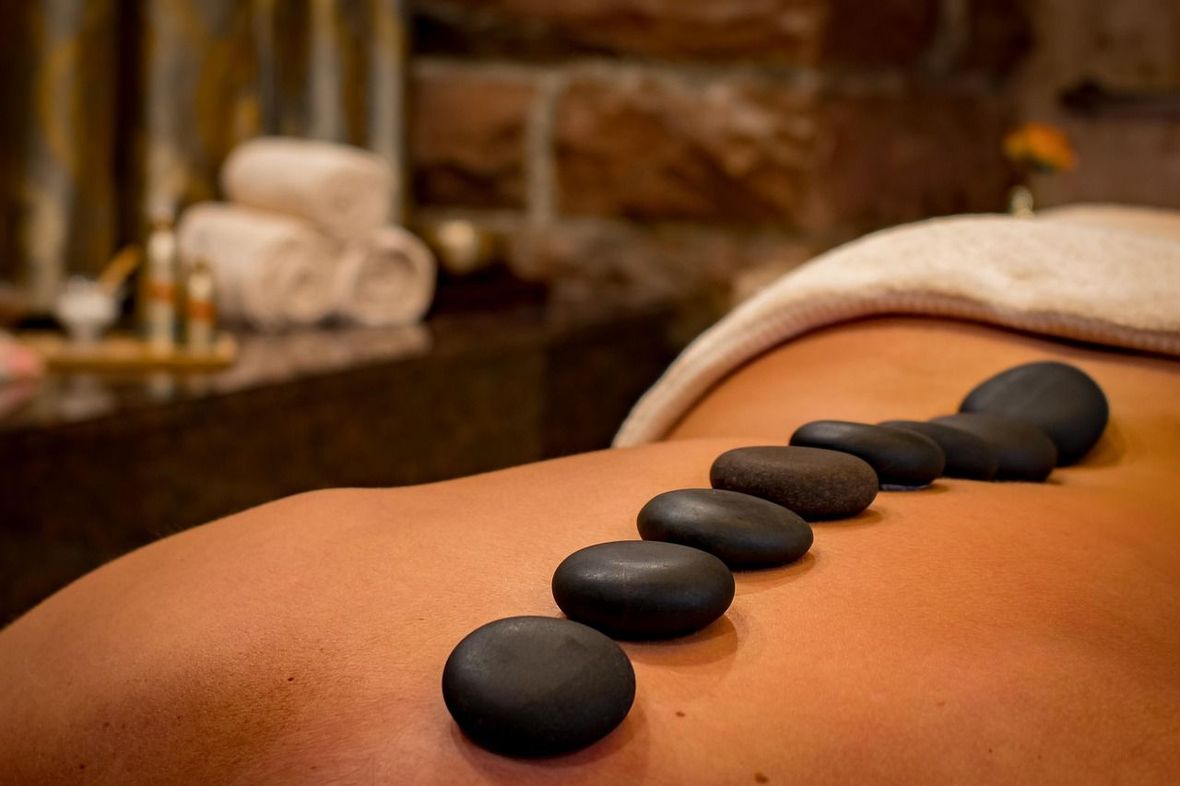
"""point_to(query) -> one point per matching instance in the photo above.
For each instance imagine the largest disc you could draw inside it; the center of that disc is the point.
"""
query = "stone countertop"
(61, 399)
(96, 465)
(266, 359)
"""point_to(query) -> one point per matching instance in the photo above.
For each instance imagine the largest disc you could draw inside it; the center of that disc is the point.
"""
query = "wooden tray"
(126, 353)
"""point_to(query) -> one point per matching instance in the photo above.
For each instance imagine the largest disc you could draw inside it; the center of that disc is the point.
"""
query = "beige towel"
(272, 271)
(1149, 220)
(386, 278)
(1086, 281)
(344, 191)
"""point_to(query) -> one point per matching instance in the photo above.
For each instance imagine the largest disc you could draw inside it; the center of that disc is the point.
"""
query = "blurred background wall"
(1130, 48)
(671, 146)
(660, 146)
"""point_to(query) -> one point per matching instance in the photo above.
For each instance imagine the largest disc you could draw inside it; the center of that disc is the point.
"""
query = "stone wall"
(670, 146)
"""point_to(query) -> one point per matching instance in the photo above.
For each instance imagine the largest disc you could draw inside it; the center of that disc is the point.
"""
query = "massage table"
(969, 632)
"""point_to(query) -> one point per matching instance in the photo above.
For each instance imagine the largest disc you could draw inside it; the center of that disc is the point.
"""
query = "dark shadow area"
(933, 488)
(508, 770)
(749, 581)
(717, 642)
(1111, 448)
(862, 519)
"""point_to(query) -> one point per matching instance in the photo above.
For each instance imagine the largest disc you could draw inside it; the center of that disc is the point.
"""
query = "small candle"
(160, 290)
(200, 309)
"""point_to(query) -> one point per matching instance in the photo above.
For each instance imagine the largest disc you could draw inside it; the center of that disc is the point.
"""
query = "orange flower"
(1040, 146)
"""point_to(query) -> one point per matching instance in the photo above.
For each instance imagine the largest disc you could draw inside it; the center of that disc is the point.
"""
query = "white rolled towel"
(385, 278)
(272, 271)
(344, 191)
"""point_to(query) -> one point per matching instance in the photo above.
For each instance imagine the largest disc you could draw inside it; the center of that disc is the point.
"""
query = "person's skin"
(971, 632)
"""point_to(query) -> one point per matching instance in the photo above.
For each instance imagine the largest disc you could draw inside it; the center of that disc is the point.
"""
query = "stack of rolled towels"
(305, 236)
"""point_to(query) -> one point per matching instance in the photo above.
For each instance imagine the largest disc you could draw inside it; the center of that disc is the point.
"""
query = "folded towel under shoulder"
(272, 271)
(1096, 283)
(344, 191)
(1149, 220)
(385, 278)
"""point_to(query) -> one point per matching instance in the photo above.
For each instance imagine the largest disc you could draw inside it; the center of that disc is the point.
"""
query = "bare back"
(1009, 633)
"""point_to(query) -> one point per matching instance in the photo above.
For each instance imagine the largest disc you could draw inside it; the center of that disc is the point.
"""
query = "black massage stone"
(967, 456)
(901, 459)
(817, 484)
(1057, 398)
(642, 589)
(1024, 451)
(740, 530)
(537, 686)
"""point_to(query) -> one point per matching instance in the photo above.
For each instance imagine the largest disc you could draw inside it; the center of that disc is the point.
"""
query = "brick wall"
(705, 145)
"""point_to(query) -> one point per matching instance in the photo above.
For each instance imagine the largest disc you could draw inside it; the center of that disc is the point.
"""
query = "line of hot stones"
(539, 686)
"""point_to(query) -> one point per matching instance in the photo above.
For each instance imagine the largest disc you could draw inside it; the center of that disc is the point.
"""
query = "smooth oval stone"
(537, 686)
(740, 530)
(817, 484)
(1059, 399)
(1024, 451)
(643, 589)
(900, 458)
(967, 456)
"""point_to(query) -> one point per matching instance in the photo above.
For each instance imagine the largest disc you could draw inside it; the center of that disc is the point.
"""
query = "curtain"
(116, 112)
